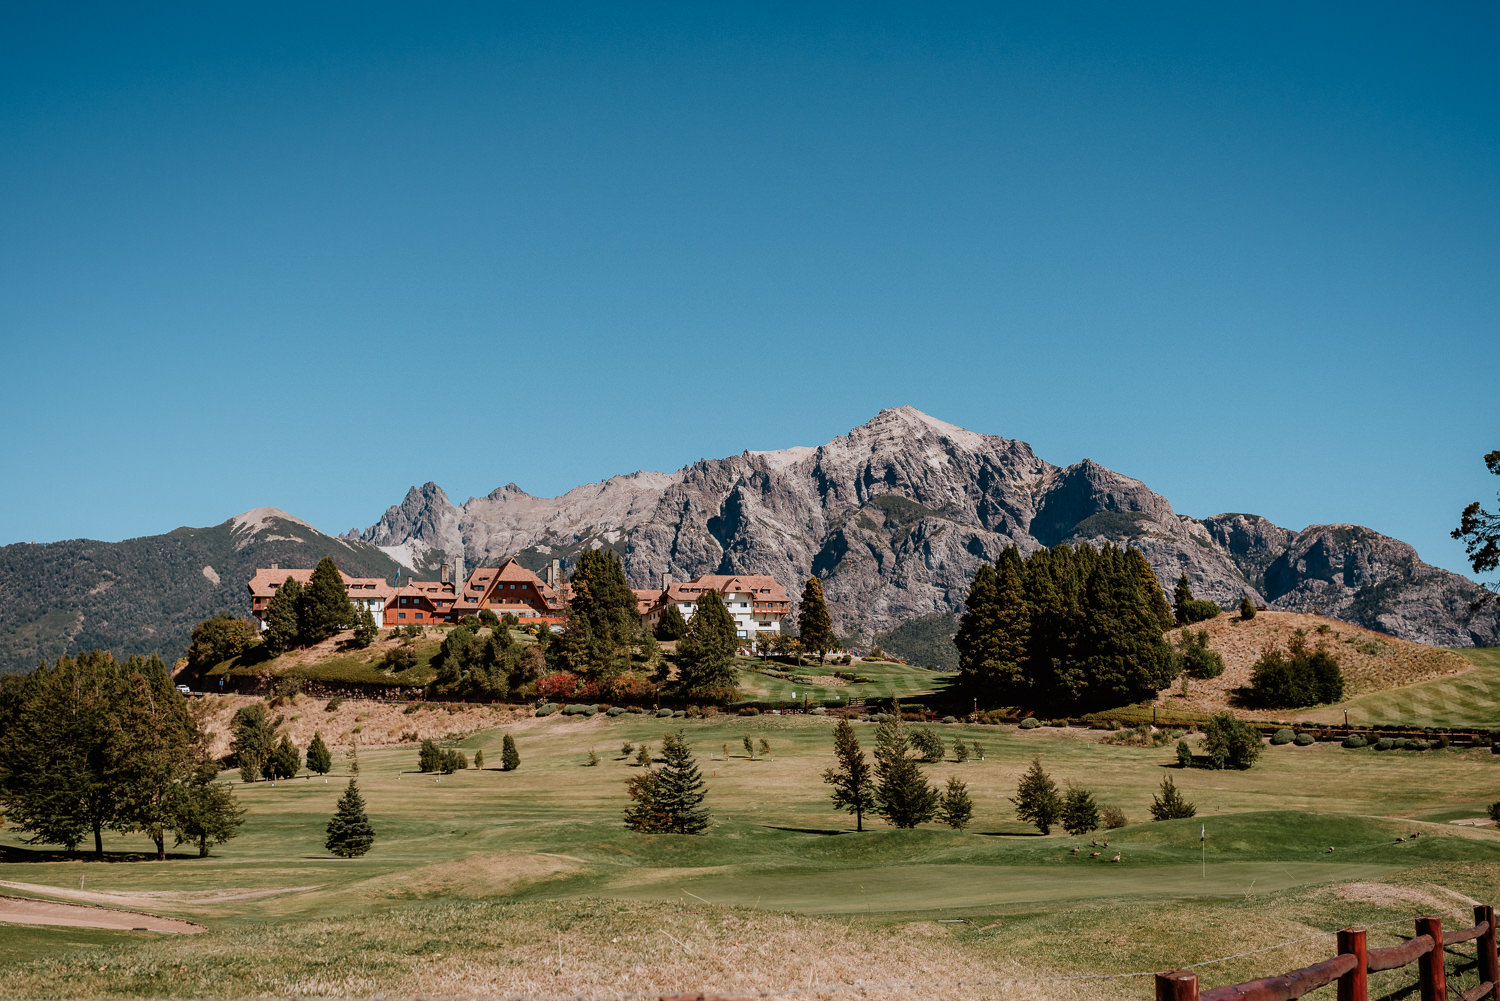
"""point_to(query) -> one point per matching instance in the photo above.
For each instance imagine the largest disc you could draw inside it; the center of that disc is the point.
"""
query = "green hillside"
(145, 595)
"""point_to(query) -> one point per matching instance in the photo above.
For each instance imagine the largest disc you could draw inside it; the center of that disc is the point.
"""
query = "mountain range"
(896, 517)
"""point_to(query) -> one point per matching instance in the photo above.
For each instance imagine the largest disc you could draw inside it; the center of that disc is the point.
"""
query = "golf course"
(526, 882)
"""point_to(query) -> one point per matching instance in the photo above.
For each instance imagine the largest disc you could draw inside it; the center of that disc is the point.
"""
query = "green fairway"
(547, 840)
(816, 683)
(1469, 700)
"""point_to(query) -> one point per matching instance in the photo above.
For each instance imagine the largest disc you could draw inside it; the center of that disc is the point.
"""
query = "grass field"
(526, 882)
(817, 683)
(1469, 700)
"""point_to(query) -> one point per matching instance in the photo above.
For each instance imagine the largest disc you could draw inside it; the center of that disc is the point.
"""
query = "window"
(419, 615)
(400, 615)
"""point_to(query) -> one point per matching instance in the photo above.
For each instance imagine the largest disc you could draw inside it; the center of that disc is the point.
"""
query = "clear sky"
(307, 255)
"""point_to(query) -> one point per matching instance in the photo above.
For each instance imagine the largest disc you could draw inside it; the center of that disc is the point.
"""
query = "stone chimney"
(666, 581)
(275, 566)
(458, 569)
(444, 577)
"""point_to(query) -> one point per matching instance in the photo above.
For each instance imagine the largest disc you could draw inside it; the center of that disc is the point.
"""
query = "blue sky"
(309, 255)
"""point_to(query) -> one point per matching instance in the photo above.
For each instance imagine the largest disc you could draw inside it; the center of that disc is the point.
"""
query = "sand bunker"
(18, 910)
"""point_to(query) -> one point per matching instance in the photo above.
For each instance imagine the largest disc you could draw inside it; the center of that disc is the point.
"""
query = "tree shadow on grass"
(1009, 834)
(14, 853)
(806, 830)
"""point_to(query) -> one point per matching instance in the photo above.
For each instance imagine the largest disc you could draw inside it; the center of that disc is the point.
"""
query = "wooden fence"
(1353, 965)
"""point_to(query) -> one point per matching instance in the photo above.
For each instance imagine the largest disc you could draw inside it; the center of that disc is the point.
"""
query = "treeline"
(89, 745)
(1069, 627)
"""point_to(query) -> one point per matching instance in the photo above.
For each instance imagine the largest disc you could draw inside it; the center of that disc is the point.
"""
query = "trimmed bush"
(1112, 817)
(1302, 739)
(1354, 740)
(747, 711)
(663, 713)
(819, 711)
(580, 709)
(1384, 744)
(1030, 723)
(547, 709)
(1282, 736)
(615, 711)
(950, 719)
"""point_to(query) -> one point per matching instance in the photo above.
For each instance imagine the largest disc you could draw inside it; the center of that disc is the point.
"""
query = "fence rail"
(1354, 963)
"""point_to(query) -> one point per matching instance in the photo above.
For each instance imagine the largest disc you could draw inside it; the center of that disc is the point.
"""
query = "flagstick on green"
(1202, 857)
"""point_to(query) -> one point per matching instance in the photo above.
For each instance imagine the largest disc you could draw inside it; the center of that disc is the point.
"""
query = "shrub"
(1495, 811)
(1169, 804)
(1384, 744)
(560, 684)
(547, 708)
(950, 719)
(1184, 754)
(1193, 611)
(1354, 740)
(333, 704)
(429, 757)
(1282, 736)
(1247, 608)
(663, 713)
(398, 659)
(818, 711)
(1229, 742)
(1300, 677)
(615, 711)
(1302, 739)
(580, 709)
(1030, 723)
(1195, 658)
(1112, 817)
(749, 711)
(592, 759)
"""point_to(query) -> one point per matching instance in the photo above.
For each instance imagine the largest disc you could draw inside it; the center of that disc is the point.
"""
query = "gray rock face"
(897, 515)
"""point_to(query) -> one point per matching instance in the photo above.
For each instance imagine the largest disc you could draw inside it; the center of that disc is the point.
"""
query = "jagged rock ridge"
(898, 514)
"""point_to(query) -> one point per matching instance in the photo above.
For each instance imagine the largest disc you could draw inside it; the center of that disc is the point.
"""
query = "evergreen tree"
(479, 758)
(1126, 658)
(208, 814)
(1479, 530)
(1169, 804)
(1080, 814)
(324, 608)
(349, 832)
(1181, 595)
(955, 809)
(429, 757)
(319, 758)
(1037, 799)
(510, 760)
(814, 625)
(903, 796)
(602, 598)
(365, 629)
(1161, 611)
(1184, 754)
(672, 625)
(286, 762)
(1194, 656)
(669, 800)
(705, 656)
(749, 748)
(1247, 608)
(283, 630)
(252, 740)
(853, 784)
(994, 634)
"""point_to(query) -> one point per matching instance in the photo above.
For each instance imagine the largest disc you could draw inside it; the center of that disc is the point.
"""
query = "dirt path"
(18, 910)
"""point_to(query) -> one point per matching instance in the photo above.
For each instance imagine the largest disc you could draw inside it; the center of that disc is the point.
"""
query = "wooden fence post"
(1354, 985)
(1432, 974)
(1178, 985)
(1489, 964)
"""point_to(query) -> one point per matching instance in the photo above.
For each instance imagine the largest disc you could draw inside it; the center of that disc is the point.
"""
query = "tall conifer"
(325, 607)
(814, 625)
(349, 832)
(853, 784)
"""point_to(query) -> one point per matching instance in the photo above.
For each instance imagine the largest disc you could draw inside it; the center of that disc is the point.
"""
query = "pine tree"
(1184, 754)
(319, 758)
(1156, 598)
(853, 784)
(1169, 804)
(253, 740)
(479, 758)
(1247, 608)
(903, 795)
(285, 760)
(1181, 595)
(365, 629)
(349, 832)
(1080, 814)
(602, 598)
(325, 607)
(669, 800)
(705, 655)
(955, 809)
(672, 625)
(510, 760)
(814, 625)
(283, 630)
(1037, 799)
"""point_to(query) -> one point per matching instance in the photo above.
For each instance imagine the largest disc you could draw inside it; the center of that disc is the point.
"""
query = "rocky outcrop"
(898, 514)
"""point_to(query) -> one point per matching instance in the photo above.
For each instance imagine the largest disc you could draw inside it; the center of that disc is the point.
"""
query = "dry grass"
(373, 724)
(1370, 661)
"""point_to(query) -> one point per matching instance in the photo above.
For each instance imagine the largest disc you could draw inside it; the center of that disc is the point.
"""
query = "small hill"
(1371, 661)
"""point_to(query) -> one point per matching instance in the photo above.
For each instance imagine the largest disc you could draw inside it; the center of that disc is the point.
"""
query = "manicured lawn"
(1469, 700)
